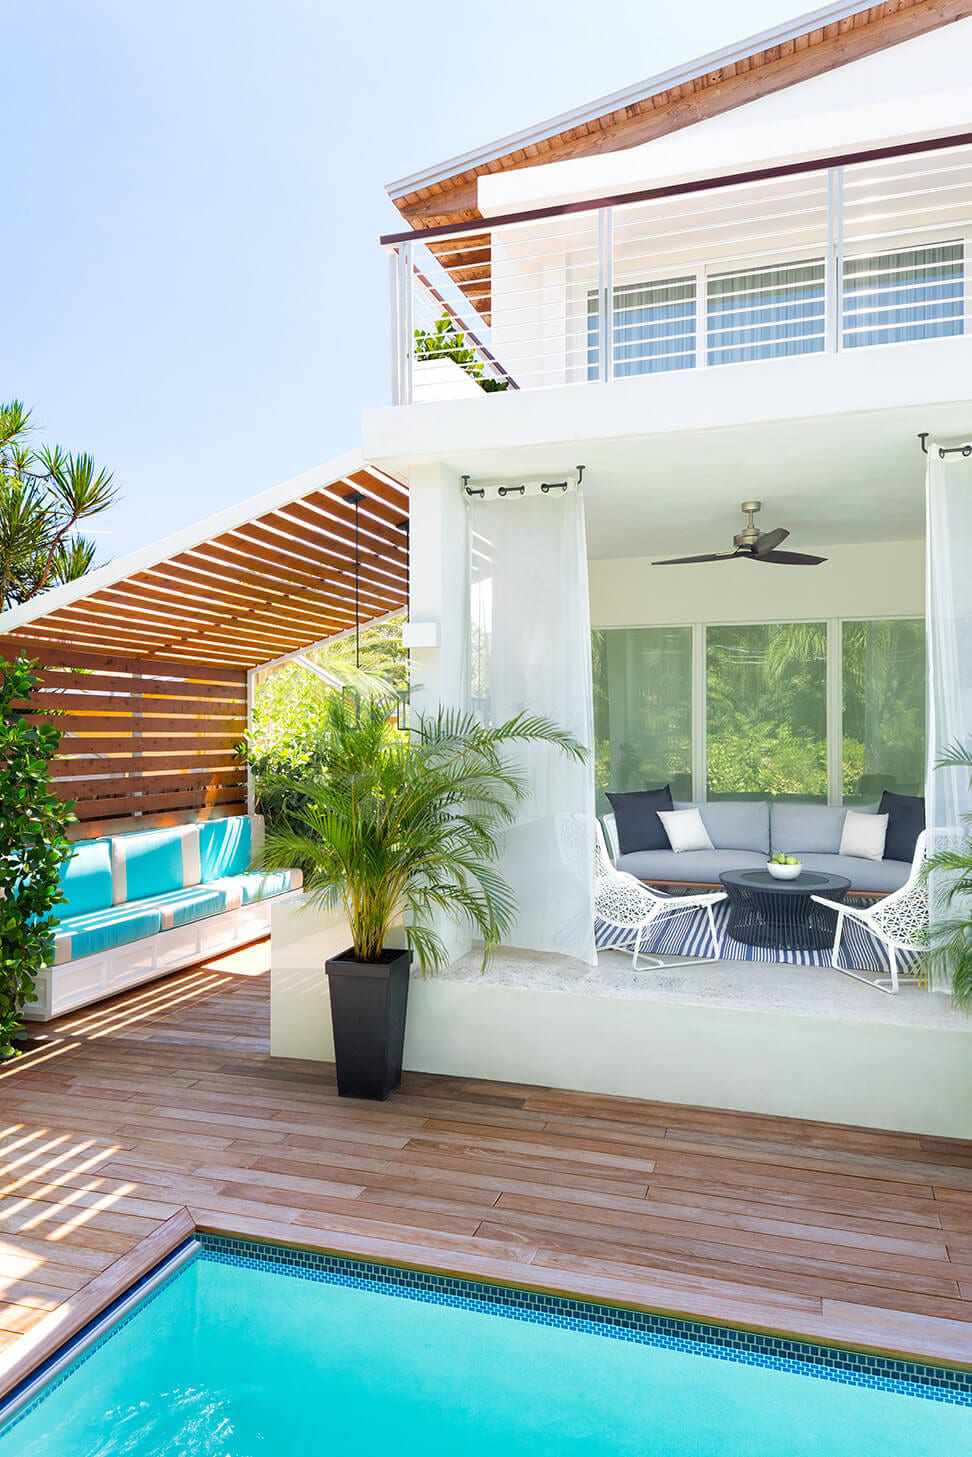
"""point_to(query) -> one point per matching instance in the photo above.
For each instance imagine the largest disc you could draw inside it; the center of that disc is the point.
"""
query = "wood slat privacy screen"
(141, 738)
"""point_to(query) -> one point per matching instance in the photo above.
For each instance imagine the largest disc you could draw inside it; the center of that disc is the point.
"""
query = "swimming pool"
(247, 1350)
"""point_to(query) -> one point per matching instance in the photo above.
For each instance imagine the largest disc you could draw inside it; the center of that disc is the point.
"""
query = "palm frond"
(955, 755)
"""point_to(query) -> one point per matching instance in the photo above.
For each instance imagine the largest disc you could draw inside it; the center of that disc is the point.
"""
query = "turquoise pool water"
(246, 1356)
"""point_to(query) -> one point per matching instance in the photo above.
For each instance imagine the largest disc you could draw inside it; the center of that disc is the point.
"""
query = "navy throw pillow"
(636, 816)
(906, 820)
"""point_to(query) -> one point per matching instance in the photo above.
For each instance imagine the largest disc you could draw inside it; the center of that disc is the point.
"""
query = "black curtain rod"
(545, 486)
(944, 450)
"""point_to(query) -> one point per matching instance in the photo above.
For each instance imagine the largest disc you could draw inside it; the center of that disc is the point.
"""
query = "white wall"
(872, 580)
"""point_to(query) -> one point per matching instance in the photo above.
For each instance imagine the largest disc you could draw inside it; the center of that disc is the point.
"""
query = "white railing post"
(834, 270)
(605, 293)
(404, 346)
(394, 339)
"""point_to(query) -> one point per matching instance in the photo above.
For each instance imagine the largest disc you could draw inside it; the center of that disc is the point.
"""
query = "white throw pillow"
(685, 830)
(863, 835)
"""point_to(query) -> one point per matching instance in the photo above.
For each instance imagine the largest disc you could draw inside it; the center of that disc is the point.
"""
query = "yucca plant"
(394, 825)
(950, 939)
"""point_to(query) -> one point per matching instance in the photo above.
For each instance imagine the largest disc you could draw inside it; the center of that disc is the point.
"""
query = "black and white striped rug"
(688, 935)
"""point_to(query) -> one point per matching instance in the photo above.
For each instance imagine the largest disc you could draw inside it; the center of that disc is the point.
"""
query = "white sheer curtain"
(531, 650)
(948, 589)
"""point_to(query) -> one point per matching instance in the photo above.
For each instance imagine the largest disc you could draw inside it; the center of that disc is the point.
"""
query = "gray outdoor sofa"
(746, 832)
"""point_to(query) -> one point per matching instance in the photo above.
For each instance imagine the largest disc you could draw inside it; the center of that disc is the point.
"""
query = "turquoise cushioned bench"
(123, 890)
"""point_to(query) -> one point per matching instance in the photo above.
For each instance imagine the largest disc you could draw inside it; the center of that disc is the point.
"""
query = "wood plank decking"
(166, 1099)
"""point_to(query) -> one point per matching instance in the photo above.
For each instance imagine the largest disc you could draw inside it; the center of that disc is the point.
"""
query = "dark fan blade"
(770, 540)
(712, 556)
(790, 558)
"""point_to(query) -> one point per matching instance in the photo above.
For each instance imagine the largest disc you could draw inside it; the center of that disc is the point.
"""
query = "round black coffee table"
(764, 911)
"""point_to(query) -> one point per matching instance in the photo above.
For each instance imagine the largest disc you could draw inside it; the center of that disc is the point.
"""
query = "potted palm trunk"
(398, 829)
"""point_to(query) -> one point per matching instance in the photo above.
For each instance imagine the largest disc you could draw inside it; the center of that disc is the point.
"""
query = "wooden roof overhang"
(246, 591)
(145, 662)
(794, 52)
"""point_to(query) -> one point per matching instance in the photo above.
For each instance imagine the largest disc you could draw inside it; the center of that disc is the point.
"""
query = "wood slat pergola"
(145, 662)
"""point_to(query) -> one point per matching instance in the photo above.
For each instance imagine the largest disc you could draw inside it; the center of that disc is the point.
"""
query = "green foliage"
(385, 824)
(950, 938)
(766, 725)
(44, 494)
(289, 721)
(769, 759)
(33, 846)
(445, 341)
(883, 671)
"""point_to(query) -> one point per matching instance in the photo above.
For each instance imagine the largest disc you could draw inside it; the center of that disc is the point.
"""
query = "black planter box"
(368, 1004)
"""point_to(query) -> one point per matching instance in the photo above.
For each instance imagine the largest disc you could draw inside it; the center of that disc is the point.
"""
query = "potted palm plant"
(400, 827)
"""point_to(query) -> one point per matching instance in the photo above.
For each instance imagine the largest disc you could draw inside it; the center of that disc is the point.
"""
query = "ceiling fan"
(752, 545)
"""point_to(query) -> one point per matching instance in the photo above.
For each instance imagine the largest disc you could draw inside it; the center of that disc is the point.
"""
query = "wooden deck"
(124, 1116)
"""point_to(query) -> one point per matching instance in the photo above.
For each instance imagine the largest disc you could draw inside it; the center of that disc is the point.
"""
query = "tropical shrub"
(290, 714)
(33, 846)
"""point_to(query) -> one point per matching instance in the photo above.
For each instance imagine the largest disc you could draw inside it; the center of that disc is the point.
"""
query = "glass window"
(883, 670)
(916, 293)
(643, 709)
(766, 711)
(762, 313)
(654, 327)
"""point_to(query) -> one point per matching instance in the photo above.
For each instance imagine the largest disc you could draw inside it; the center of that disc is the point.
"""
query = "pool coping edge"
(56, 1336)
(52, 1334)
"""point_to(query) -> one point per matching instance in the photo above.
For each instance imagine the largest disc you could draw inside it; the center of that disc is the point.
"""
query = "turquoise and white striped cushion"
(85, 880)
(103, 930)
(228, 846)
(260, 885)
(193, 903)
(154, 862)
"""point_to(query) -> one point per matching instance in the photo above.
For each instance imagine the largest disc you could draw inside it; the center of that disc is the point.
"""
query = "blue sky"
(194, 192)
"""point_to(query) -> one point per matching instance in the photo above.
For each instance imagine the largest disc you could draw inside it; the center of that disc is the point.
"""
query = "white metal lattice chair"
(899, 922)
(626, 904)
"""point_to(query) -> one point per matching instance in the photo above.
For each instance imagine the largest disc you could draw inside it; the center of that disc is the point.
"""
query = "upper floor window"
(914, 293)
(762, 313)
(779, 309)
(654, 327)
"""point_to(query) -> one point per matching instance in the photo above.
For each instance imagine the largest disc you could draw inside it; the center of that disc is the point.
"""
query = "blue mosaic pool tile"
(725, 1343)
(722, 1343)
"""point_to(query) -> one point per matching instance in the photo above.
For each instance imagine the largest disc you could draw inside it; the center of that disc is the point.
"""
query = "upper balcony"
(834, 256)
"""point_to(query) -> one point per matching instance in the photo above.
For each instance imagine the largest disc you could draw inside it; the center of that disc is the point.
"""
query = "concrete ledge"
(901, 1075)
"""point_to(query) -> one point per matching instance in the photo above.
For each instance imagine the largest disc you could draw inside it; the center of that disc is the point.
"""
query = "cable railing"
(847, 253)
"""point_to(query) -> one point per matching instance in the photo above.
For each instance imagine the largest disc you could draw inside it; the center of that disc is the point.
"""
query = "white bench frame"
(79, 983)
